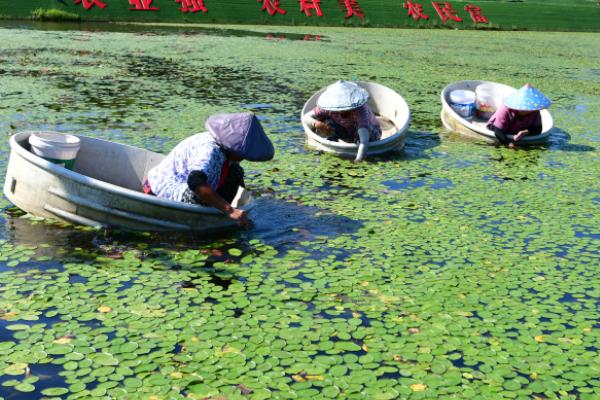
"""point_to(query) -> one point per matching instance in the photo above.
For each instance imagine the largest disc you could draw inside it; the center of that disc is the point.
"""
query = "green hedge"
(572, 15)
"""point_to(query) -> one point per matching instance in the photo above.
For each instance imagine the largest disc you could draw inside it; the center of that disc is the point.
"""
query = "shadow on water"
(415, 147)
(283, 224)
(156, 30)
(276, 223)
(559, 141)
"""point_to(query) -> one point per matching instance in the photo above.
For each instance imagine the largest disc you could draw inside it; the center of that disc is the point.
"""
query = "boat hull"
(391, 110)
(104, 189)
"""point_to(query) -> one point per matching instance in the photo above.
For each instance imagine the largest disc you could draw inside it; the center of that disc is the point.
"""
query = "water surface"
(453, 269)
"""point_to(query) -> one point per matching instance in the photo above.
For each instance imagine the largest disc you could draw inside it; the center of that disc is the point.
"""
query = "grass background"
(554, 15)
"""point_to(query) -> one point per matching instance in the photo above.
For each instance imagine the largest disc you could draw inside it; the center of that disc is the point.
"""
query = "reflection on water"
(159, 30)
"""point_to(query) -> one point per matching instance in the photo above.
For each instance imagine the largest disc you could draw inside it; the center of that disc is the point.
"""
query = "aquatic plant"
(454, 269)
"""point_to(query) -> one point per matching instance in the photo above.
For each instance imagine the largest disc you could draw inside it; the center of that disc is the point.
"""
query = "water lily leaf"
(418, 387)
(133, 383)
(347, 346)
(59, 349)
(15, 369)
(25, 387)
(105, 359)
(331, 391)
(17, 327)
(55, 391)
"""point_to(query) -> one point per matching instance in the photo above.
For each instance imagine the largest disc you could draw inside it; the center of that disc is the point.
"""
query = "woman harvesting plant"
(519, 115)
(342, 113)
(204, 168)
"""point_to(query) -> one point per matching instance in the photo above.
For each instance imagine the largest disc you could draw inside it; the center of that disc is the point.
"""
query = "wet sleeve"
(536, 125)
(500, 134)
(196, 179)
(363, 119)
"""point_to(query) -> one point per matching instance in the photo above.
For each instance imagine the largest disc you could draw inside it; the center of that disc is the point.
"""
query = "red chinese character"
(142, 5)
(87, 4)
(192, 6)
(272, 7)
(270, 36)
(476, 14)
(310, 37)
(307, 5)
(415, 10)
(352, 8)
(446, 12)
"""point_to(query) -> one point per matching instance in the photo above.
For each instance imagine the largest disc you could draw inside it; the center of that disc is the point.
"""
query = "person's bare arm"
(318, 126)
(210, 197)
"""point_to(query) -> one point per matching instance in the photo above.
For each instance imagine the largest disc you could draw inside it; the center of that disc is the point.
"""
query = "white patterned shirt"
(199, 152)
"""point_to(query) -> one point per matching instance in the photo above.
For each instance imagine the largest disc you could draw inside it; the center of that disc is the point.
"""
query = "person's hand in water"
(240, 217)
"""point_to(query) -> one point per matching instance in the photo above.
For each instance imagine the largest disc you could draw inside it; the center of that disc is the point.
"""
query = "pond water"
(452, 269)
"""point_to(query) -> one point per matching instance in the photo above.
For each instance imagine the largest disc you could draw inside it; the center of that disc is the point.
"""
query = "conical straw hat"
(241, 134)
(343, 96)
(527, 98)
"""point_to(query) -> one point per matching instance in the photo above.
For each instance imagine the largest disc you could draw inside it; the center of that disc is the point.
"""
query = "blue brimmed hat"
(343, 96)
(241, 134)
(527, 98)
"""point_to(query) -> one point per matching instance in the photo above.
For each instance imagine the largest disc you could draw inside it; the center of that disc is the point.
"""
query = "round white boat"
(391, 111)
(104, 189)
(477, 127)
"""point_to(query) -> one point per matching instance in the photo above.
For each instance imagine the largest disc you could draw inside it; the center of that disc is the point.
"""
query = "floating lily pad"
(443, 270)
(25, 387)
(55, 391)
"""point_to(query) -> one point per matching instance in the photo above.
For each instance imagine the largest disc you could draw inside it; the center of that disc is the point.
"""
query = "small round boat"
(477, 127)
(104, 188)
(390, 109)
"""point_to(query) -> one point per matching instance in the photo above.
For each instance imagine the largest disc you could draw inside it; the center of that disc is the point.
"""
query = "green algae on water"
(452, 269)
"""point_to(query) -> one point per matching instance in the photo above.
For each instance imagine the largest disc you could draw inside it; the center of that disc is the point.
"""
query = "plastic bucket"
(55, 147)
(487, 101)
(463, 103)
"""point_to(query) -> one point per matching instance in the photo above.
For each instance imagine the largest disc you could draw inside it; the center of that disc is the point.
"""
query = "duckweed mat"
(451, 270)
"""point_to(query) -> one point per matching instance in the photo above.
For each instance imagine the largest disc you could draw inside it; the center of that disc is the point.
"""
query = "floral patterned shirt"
(199, 152)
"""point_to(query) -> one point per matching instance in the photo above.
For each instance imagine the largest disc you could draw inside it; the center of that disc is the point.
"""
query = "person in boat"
(204, 169)
(342, 113)
(519, 116)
